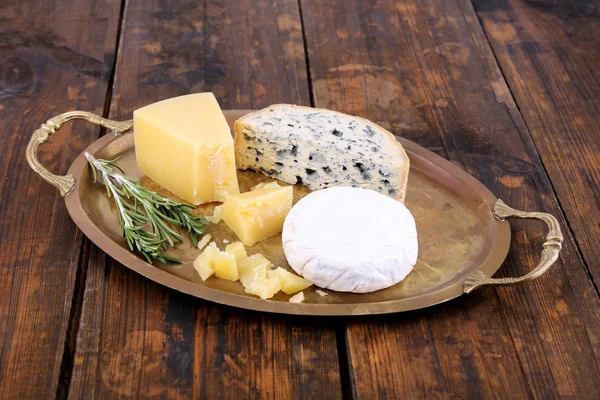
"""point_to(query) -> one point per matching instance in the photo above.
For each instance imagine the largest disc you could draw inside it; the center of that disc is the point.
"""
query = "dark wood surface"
(508, 89)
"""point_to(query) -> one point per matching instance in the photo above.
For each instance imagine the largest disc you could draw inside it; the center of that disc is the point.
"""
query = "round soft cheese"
(350, 239)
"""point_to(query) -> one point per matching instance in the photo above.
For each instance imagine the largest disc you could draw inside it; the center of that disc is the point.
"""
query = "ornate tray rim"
(481, 277)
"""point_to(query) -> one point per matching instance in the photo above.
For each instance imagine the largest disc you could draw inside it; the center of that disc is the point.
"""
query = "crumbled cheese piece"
(290, 283)
(321, 293)
(264, 287)
(266, 185)
(225, 241)
(204, 241)
(216, 217)
(297, 298)
(205, 263)
(253, 268)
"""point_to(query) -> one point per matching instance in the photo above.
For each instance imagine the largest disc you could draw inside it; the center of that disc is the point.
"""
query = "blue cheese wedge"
(321, 148)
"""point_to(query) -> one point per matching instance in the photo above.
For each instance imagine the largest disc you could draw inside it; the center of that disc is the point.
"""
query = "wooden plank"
(549, 53)
(140, 339)
(54, 57)
(424, 69)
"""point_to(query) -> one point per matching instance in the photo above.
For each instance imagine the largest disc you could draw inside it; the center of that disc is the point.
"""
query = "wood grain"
(425, 70)
(140, 339)
(549, 53)
(54, 57)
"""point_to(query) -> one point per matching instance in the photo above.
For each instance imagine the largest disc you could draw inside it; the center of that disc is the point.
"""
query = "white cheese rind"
(350, 240)
(320, 149)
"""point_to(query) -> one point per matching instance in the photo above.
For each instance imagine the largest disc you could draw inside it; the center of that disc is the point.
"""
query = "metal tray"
(463, 238)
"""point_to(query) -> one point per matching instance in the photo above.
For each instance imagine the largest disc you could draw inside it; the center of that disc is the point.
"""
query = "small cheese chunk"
(205, 263)
(253, 268)
(237, 249)
(297, 298)
(267, 185)
(216, 217)
(264, 287)
(321, 293)
(204, 241)
(226, 266)
(258, 214)
(184, 144)
(290, 283)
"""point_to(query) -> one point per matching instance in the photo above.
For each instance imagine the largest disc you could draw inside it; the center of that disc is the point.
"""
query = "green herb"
(139, 207)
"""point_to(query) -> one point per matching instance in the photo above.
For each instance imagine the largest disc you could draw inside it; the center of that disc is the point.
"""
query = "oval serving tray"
(463, 238)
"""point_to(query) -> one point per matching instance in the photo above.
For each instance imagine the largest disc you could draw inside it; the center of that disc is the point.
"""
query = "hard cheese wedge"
(184, 144)
(258, 214)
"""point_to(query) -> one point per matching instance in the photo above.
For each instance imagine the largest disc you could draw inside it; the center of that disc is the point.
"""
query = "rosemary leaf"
(138, 207)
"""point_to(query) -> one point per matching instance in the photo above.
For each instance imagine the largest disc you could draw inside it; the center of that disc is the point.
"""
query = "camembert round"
(350, 239)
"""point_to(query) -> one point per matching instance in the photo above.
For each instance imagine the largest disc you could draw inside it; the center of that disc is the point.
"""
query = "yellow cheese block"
(290, 283)
(258, 214)
(184, 144)
(226, 266)
(205, 263)
(237, 249)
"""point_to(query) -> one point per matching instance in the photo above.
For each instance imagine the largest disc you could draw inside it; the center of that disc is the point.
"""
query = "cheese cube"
(216, 217)
(238, 250)
(257, 214)
(252, 268)
(264, 287)
(290, 283)
(226, 266)
(205, 263)
(184, 144)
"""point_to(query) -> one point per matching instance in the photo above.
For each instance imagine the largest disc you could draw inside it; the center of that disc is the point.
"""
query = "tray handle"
(551, 249)
(65, 184)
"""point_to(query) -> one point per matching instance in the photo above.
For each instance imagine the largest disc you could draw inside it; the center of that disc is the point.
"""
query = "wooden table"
(508, 89)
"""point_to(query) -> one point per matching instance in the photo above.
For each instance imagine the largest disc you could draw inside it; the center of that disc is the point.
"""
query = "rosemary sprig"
(139, 207)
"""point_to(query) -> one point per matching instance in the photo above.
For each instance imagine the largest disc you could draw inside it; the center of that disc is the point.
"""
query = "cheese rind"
(258, 214)
(328, 242)
(184, 144)
(320, 149)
